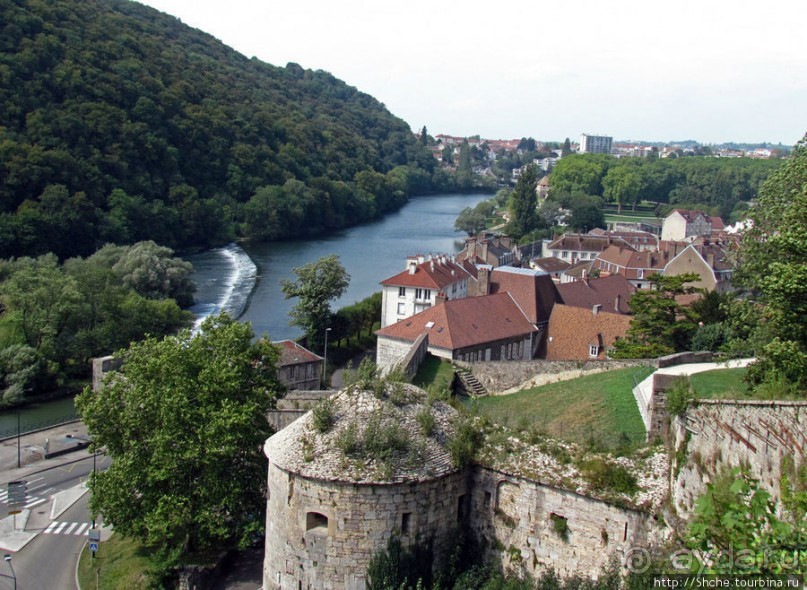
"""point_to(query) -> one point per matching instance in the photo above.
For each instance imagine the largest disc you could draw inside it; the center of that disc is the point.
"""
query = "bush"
(679, 396)
(464, 444)
(323, 415)
(711, 337)
(608, 476)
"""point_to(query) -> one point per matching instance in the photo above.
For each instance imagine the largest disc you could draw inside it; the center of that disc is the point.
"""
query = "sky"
(709, 70)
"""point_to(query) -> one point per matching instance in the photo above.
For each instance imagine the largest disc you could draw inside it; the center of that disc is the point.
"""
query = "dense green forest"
(119, 123)
(721, 186)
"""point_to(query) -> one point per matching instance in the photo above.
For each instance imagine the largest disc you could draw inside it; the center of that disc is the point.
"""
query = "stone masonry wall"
(390, 352)
(521, 523)
(768, 437)
(322, 535)
(500, 376)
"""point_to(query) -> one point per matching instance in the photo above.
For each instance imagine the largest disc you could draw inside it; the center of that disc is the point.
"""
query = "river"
(246, 283)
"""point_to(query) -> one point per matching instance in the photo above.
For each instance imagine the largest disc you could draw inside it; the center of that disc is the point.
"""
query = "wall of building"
(768, 437)
(354, 521)
(516, 519)
(390, 352)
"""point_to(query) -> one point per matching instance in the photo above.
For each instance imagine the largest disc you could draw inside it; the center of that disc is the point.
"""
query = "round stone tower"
(358, 469)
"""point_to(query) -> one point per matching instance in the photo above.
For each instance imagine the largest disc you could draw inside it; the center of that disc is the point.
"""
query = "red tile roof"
(437, 273)
(533, 291)
(573, 329)
(292, 353)
(612, 293)
(463, 323)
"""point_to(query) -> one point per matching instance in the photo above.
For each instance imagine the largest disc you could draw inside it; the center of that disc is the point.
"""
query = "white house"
(424, 283)
(681, 225)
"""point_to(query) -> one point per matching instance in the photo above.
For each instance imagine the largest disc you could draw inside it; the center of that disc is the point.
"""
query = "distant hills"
(120, 123)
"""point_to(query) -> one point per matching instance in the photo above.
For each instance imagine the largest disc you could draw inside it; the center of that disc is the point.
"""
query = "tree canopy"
(716, 184)
(523, 203)
(119, 123)
(660, 325)
(773, 269)
(184, 421)
(317, 284)
(65, 314)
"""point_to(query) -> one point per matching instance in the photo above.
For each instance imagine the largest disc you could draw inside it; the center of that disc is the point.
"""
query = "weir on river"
(245, 282)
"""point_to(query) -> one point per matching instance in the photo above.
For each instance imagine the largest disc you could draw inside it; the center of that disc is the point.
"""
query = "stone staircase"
(469, 383)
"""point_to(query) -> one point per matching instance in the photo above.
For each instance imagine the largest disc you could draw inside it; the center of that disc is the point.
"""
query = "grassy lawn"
(434, 373)
(720, 384)
(121, 563)
(598, 409)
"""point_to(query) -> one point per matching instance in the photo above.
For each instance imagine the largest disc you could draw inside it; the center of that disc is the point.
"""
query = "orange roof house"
(490, 327)
(577, 333)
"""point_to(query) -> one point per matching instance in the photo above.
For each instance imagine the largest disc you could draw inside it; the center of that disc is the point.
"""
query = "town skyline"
(714, 72)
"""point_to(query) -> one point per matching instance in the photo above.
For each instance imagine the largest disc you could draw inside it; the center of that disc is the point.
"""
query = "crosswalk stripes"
(67, 528)
(32, 500)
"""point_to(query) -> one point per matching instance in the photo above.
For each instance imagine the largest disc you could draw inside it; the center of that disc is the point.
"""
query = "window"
(401, 308)
(418, 293)
(427, 295)
(405, 521)
(316, 522)
(640, 273)
(593, 350)
(565, 254)
(401, 291)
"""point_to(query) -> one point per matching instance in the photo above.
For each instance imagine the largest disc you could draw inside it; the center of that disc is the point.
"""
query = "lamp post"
(7, 557)
(94, 455)
(325, 359)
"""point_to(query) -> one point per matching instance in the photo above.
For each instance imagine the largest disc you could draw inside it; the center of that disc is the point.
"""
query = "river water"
(246, 282)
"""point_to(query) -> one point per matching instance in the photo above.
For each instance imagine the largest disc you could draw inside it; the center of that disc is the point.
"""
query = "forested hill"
(119, 123)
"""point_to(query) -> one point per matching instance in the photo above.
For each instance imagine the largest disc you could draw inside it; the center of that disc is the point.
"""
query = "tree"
(424, 136)
(567, 148)
(153, 272)
(738, 529)
(660, 325)
(523, 203)
(773, 268)
(586, 216)
(316, 286)
(621, 185)
(184, 422)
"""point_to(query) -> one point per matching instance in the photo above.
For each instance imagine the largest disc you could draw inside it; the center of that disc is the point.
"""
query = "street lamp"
(94, 455)
(325, 359)
(7, 557)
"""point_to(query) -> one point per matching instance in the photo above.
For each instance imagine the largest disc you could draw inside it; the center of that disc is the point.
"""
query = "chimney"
(440, 298)
(484, 254)
(421, 259)
(431, 265)
(411, 265)
(482, 281)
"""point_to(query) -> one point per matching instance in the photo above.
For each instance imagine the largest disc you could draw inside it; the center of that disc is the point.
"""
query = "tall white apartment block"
(595, 144)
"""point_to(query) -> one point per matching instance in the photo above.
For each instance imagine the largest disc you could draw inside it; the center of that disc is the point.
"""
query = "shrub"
(679, 396)
(426, 421)
(605, 475)
(323, 415)
(465, 443)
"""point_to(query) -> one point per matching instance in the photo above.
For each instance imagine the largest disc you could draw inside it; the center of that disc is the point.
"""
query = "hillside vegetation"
(119, 123)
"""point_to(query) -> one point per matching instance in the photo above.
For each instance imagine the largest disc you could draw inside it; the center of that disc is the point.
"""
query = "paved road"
(50, 513)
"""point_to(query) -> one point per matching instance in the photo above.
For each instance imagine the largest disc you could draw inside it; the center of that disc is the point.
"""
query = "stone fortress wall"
(766, 437)
(533, 527)
(322, 535)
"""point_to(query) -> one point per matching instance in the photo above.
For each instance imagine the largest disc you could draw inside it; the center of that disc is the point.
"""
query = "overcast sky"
(708, 70)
